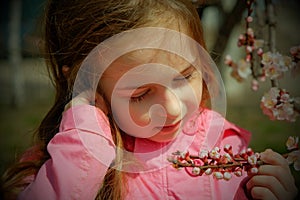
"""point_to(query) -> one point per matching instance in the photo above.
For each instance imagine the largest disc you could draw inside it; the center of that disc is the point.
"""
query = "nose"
(171, 104)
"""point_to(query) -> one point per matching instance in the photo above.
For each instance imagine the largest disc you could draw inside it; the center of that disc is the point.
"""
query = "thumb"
(273, 158)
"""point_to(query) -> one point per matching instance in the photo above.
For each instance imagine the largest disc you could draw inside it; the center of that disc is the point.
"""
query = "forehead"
(146, 58)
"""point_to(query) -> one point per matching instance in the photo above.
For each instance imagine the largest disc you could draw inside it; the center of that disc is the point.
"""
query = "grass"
(16, 130)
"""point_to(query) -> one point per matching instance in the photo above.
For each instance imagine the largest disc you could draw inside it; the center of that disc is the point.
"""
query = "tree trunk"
(15, 53)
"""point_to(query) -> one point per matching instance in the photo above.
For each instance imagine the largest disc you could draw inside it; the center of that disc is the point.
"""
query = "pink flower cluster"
(278, 105)
(294, 156)
(244, 67)
(275, 64)
(221, 166)
(295, 54)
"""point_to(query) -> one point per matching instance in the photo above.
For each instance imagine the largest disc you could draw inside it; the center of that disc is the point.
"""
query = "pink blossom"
(238, 172)
(277, 104)
(295, 51)
(286, 62)
(259, 52)
(242, 37)
(292, 142)
(254, 85)
(203, 154)
(243, 68)
(249, 19)
(226, 158)
(262, 78)
(215, 153)
(266, 58)
(252, 160)
(249, 49)
(243, 153)
(267, 111)
(250, 32)
(294, 157)
(241, 40)
(248, 58)
(228, 60)
(249, 151)
(272, 71)
(275, 64)
(183, 154)
(285, 97)
(269, 100)
(285, 111)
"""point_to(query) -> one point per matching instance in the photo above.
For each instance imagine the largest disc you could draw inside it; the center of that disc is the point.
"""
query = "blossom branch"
(222, 166)
(272, 32)
(277, 102)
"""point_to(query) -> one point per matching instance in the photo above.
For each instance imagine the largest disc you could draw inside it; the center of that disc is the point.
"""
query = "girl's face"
(152, 93)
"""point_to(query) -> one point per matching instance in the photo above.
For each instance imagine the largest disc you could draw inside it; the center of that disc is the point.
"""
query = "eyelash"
(142, 96)
(183, 80)
(139, 98)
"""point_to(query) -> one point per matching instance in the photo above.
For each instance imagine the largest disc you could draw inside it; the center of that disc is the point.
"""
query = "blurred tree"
(15, 53)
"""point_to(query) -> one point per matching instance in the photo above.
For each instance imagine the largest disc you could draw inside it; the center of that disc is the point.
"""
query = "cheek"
(139, 113)
(133, 120)
(197, 87)
(192, 95)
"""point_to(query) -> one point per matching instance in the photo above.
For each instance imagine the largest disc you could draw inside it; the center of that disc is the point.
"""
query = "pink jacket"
(83, 150)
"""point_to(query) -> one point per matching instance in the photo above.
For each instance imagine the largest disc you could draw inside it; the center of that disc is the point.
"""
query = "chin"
(161, 137)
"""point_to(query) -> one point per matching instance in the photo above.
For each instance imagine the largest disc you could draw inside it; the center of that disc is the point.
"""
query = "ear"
(100, 103)
(65, 70)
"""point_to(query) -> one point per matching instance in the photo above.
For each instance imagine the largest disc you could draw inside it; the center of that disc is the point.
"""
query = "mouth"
(170, 128)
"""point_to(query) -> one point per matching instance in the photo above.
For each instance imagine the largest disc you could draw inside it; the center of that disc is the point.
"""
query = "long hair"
(72, 29)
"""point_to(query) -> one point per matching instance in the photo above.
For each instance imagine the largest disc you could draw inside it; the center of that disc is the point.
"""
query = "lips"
(171, 127)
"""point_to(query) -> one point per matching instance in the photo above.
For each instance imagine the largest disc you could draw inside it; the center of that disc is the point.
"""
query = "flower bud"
(196, 171)
(208, 171)
(218, 175)
(238, 172)
(249, 19)
(253, 170)
(252, 160)
(227, 176)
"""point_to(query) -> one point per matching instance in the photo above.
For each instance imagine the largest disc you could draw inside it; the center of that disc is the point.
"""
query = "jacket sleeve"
(80, 155)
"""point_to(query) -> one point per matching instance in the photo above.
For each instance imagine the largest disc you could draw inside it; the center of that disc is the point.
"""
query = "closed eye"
(184, 78)
(140, 97)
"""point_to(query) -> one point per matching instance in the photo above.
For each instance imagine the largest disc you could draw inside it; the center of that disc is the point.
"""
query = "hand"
(274, 179)
(86, 98)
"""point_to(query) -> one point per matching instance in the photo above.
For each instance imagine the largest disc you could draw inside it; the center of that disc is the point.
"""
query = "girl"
(132, 86)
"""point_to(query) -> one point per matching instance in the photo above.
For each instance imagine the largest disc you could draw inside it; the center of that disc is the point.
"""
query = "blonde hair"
(72, 30)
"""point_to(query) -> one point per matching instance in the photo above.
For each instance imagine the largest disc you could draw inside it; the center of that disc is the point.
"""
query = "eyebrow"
(187, 69)
(145, 86)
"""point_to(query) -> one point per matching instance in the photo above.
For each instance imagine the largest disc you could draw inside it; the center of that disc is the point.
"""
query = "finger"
(284, 176)
(82, 98)
(268, 182)
(262, 193)
(273, 158)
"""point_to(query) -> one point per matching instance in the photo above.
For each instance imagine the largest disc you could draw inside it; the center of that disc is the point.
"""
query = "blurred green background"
(17, 123)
